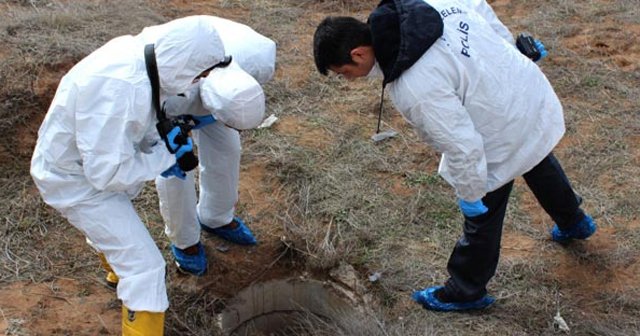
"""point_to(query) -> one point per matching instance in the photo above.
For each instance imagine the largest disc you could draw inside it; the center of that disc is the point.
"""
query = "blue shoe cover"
(192, 264)
(241, 235)
(428, 300)
(583, 230)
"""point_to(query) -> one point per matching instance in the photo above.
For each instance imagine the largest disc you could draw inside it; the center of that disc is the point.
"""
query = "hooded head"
(254, 53)
(184, 48)
(233, 97)
(401, 32)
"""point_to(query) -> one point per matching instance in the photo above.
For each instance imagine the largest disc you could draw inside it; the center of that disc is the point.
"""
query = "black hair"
(334, 39)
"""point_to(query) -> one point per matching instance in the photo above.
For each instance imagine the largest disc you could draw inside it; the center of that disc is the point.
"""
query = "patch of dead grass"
(47, 38)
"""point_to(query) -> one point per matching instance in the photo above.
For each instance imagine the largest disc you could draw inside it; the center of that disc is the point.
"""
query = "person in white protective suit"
(98, 144)
(229, 99)
(456, 76)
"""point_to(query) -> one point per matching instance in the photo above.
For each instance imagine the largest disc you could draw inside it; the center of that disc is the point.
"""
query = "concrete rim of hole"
(269, 306)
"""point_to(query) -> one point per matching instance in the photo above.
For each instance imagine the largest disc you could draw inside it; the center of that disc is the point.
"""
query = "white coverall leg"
(112, 225)
(219, 154)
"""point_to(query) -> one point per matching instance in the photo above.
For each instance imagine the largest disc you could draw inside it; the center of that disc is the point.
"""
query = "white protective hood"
(233, 97)
(184, 48)
(99, 133)
(255, 53)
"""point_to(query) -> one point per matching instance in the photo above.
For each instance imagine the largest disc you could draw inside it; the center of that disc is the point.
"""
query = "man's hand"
(472, 209)
(202, 121)
(174, 171)
(541, 48)
(182, 146)
(180, 150)
(177, 142)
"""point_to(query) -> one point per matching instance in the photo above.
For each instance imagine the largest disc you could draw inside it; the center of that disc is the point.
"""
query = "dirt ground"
(594, 64)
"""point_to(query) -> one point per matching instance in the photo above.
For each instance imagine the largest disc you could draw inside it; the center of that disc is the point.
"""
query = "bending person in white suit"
(98, 144)
(455, 74)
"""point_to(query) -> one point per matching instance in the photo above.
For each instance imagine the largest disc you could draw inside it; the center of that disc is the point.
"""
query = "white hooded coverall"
(492, 127)
(98, 145)
(218, 146)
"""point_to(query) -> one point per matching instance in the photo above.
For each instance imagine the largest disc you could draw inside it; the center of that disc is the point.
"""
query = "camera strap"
(187, 161)
(152, 73)
(381, 108)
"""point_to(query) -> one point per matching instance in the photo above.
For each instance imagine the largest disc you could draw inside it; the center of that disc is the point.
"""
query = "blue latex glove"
(541, 49)
(202, 121)
(180, 149)
(472, 209)
(174, 171)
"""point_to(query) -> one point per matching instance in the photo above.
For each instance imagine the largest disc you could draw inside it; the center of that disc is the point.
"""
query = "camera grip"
(188, 161)
(526, 44)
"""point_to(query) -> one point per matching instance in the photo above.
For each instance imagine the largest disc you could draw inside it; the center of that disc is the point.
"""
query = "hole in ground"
(294, 306)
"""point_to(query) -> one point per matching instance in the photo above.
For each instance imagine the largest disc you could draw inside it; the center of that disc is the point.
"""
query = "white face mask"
(375, 72)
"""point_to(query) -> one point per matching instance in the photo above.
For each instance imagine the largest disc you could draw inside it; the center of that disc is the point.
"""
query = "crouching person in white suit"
(98, 144)
(227, 100)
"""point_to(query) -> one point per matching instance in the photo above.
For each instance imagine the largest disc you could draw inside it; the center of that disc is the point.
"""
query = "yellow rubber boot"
(142, 323)
(112, 278)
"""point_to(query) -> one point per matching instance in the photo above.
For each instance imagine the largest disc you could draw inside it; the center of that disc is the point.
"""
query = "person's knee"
(131, 262)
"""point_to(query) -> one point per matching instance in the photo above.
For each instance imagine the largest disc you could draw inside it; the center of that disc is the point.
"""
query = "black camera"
(527, 46)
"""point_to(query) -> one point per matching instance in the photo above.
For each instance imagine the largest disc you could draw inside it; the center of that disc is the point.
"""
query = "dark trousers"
(475, 257)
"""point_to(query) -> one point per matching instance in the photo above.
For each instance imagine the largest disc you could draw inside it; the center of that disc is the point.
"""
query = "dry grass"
(49, 37)
(379, 207)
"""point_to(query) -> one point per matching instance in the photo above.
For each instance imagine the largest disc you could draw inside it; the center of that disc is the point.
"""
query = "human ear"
(357, 54)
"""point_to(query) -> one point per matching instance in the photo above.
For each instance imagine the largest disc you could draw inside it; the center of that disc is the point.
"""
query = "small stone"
(347, 275)
(560, 323)
(375, 277)
(268, 122)
(383, 135)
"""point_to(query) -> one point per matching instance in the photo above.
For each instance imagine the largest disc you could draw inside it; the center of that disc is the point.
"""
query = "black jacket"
(402, 31)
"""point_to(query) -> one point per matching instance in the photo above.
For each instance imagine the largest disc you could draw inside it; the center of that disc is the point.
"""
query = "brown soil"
(304, 135)
(59, 307)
